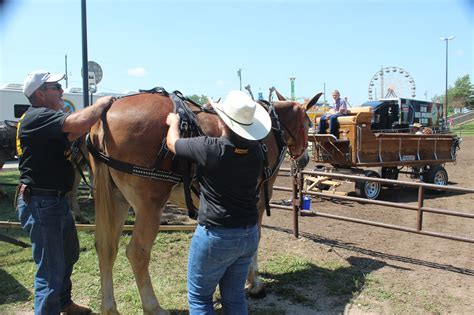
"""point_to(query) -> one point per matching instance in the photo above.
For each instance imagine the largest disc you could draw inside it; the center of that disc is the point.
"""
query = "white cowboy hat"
(244, 116)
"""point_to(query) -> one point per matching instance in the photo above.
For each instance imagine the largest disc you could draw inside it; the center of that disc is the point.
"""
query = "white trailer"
(13, 103)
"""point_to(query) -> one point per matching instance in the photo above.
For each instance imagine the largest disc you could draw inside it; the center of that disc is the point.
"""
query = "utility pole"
(292, 80)
(65, 67)
(324, 91)
(85, 68)
(446, 39)
(239, 74)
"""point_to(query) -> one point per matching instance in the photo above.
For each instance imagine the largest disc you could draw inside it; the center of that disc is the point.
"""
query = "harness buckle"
(184, 125)
(264, 147)
(268, 172)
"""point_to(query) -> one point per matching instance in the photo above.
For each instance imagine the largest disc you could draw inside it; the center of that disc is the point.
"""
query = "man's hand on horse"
(106, 101)
(172, 118)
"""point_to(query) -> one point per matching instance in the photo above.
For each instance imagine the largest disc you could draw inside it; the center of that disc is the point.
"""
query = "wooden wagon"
(359, 145)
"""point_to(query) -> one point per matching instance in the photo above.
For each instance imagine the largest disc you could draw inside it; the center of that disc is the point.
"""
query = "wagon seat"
(348, 123)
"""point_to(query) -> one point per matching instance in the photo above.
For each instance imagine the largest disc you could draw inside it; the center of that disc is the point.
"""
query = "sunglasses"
(54, 86)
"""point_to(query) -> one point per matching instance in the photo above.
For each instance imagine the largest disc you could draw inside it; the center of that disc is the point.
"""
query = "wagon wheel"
(436, 175)
(368, 189)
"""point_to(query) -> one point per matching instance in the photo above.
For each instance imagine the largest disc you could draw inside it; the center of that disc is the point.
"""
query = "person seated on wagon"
(417, 129)
(340, 109)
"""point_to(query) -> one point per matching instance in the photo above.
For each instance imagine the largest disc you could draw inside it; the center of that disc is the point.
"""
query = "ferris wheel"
(391, 82)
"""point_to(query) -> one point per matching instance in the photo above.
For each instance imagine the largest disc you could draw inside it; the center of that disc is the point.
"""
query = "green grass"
(464, 130)
(291, 278)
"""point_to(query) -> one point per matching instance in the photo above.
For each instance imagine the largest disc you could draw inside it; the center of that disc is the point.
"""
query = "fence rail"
(298, 191)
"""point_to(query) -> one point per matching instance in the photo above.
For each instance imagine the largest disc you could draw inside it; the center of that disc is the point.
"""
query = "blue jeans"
(220, 256)
(323, 124)
(55, 247)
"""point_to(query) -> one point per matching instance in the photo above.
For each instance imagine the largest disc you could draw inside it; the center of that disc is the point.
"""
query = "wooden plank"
(91, 227)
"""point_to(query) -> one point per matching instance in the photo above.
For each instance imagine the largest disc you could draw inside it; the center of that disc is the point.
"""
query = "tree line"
(460, 96)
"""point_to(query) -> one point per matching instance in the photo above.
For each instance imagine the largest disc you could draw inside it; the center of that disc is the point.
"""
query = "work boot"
(74, 309)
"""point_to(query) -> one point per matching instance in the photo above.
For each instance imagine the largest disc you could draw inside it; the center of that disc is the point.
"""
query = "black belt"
(43, 192)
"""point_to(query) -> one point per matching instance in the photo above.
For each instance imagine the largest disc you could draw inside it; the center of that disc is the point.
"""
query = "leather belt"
(42, 192)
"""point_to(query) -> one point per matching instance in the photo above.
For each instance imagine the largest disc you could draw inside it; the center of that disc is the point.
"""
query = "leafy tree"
(203, 99)
(459, 95)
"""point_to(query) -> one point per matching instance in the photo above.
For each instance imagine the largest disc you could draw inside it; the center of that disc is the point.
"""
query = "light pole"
(239, 74)
(292, 80)
(446, 39)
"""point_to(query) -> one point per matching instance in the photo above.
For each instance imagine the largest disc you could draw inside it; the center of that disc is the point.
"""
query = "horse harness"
(185, 171)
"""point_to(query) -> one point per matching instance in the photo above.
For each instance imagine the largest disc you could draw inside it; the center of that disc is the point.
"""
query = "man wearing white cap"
(46, 174)
(226, 237)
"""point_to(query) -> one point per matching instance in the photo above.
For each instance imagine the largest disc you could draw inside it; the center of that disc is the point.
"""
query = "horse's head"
(295, 124)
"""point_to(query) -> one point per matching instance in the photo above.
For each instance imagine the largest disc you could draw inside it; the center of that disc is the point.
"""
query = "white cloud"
(137, 72)
(220, 82)
(459, 53)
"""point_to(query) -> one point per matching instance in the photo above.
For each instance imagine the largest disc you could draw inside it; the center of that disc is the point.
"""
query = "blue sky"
(198, 46)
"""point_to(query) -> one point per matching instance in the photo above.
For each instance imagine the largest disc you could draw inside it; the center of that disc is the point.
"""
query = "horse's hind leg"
(107, 247)
(255, 287)
(147, 222)
(111, 210)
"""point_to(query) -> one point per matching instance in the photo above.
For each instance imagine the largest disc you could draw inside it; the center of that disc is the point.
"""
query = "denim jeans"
(323, 123)
(220, 256)
(55, 246)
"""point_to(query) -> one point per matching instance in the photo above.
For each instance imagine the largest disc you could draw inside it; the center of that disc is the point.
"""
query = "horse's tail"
(105, 216)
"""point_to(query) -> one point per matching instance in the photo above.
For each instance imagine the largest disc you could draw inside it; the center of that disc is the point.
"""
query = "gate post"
(419, 217)
(295, 173)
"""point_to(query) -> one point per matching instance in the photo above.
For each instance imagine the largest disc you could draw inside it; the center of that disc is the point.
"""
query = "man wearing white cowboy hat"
(416, 128)
(46, 174)
(226, 237)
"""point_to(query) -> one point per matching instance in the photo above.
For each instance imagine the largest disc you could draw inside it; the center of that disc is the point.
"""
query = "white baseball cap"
(36, 79)
(244, 116)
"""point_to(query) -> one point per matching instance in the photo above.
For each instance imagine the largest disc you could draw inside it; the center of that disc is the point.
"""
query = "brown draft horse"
(132, 131)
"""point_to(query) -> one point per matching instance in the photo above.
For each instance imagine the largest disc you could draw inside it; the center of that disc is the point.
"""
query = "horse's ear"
(279, 96)
(313, 101)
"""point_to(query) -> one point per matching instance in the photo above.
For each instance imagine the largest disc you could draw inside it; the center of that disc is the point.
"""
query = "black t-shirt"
(44, 150)
(228, 172)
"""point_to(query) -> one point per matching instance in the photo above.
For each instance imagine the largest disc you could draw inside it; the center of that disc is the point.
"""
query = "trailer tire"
(368, 189)
(436, 175)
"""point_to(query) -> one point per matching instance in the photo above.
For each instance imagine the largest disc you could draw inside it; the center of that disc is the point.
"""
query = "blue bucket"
(306, 203)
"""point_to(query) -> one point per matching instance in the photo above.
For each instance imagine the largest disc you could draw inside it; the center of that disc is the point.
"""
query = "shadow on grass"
(320, 287)
(11, 290)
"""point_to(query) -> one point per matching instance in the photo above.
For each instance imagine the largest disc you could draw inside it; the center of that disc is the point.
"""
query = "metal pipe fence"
(298, 191)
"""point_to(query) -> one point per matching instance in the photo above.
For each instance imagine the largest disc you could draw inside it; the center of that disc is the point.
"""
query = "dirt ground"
(408, 273)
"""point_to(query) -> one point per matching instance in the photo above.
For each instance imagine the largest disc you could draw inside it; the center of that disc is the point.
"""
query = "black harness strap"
(268, 172)
(151, 173)
(76, 150)
(189, 127)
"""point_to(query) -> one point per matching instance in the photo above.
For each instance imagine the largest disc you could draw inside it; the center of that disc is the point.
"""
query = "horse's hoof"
(257, 295)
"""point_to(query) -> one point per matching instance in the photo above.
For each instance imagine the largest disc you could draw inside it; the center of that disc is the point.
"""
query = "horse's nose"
(303, 160)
